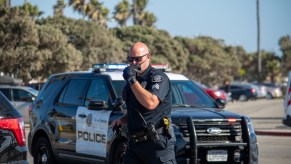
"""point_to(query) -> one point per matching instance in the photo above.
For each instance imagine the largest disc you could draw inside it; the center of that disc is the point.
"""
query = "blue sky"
(233, 21)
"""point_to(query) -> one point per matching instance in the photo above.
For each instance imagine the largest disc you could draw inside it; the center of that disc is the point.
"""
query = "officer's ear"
(149, 56)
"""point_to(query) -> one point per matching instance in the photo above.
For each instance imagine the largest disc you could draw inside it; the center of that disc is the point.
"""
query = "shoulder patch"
(157, 78)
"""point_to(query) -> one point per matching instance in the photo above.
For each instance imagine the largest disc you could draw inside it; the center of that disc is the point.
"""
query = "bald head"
(138, 49)
(139, 55)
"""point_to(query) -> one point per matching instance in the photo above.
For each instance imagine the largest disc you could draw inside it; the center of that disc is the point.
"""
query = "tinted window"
(21, 95)
(50, 88)
(118, 86)
(4, 103)
(187, 93)
(6, 92)
(98, 90)
(73, 93)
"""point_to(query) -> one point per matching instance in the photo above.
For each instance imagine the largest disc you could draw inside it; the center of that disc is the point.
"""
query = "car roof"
(117, 75)
(26, 88)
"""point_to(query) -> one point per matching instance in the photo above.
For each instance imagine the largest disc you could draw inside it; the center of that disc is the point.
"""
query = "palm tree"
(32, 10)
(138, 8)
(148, 19)
(97, 12)
(59, 8)
(79, 6)
(122, 12)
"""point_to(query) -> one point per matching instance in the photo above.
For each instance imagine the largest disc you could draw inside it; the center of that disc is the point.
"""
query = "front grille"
(228, 131)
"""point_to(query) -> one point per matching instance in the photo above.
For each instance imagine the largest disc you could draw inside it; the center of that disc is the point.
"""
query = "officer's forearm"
(147, 99)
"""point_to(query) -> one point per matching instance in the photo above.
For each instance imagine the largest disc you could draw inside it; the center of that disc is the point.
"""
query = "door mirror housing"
(97, 105)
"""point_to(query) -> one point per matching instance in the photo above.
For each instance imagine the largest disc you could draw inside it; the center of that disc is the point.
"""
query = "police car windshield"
(184, 94)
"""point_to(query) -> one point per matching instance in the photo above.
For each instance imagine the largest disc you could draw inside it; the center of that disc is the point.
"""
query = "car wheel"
(243, 98)
(269, 96)
(119, 153)
(42, 152)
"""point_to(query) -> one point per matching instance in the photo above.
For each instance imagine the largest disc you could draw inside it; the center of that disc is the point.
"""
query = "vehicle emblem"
(89, 119)
(214, 130)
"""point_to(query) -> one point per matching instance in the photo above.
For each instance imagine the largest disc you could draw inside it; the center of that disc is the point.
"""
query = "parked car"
(241, 92)
(214, 93)
(12, 134)
(260, 89)
(21, 98)
(70, 120)
(273, 91)
(287, 102)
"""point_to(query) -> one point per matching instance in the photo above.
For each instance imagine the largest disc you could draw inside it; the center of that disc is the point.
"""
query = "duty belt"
(141, 135)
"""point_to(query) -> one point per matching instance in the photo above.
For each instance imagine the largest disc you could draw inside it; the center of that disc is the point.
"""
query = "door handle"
(82, 115)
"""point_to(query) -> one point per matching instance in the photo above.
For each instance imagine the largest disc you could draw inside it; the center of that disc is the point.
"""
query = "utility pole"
(259, 69)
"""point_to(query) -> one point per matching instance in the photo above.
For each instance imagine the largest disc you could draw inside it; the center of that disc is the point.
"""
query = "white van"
(287, 102)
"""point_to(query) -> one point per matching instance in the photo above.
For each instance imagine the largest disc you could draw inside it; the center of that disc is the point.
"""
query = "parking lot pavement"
(266, 116)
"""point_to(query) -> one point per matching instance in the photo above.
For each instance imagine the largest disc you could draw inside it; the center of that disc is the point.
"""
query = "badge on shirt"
(156, 86)
(157, 79)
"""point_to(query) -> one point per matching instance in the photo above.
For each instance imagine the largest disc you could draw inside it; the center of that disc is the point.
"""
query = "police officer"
(148, 100)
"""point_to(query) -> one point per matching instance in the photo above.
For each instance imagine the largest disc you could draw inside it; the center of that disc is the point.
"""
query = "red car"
(214, 93)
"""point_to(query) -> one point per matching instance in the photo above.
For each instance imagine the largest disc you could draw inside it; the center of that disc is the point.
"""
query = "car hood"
(202, 113)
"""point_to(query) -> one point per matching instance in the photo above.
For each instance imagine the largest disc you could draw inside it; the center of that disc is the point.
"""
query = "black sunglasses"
(137, 59)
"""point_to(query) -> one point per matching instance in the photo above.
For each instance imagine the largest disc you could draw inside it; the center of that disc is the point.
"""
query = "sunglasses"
(136, 59)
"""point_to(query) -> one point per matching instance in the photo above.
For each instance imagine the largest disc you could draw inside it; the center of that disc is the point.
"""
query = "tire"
(119, 153)
(269, 96)
(42, 153)
(243, 97)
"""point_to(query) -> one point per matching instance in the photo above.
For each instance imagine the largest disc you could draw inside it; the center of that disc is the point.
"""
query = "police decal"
(91, 131)
(157, 79)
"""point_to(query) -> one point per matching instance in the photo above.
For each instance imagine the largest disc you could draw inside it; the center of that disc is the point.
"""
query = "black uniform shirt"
(158, 83)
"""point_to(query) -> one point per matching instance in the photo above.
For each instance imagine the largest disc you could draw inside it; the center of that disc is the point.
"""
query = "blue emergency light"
(107, 67)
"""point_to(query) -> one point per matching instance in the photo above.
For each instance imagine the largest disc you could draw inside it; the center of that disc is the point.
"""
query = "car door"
(62, 114)
(92, 125)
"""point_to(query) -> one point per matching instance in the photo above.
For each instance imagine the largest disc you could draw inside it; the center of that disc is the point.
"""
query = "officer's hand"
(129, 74)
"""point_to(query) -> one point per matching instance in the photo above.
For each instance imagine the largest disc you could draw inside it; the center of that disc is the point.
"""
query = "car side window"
(50, 87)
(98, 90)
(73, 92)
(21, 95)
(6, 92)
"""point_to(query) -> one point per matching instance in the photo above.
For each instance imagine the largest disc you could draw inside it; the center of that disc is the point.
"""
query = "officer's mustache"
(137, 67)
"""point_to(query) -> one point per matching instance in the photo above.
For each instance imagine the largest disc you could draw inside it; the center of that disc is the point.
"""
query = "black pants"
(148, 152)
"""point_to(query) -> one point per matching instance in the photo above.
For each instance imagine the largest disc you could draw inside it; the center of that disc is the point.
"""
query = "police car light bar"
(163, 67)
(107, 67)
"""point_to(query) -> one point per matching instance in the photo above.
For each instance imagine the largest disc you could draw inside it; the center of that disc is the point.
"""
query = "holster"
(138, 136)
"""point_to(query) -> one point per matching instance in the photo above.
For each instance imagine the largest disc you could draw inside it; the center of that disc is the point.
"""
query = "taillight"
(217, 93)
(253, 90)
(16, 125)
(30, 108)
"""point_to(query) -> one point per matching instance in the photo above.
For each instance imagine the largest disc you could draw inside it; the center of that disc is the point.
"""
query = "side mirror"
(221, 103)
(97, 104)
(118, 103)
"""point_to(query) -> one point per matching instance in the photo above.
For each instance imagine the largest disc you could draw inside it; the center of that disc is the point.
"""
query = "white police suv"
(71, 115)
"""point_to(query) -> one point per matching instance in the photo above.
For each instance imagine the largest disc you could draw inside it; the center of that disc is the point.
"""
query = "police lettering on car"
(91, 131)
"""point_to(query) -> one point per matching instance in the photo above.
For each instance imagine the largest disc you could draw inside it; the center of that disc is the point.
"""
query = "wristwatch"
(132, 81)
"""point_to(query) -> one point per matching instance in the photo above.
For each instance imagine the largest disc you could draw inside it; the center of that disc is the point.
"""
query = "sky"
(234, 21)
